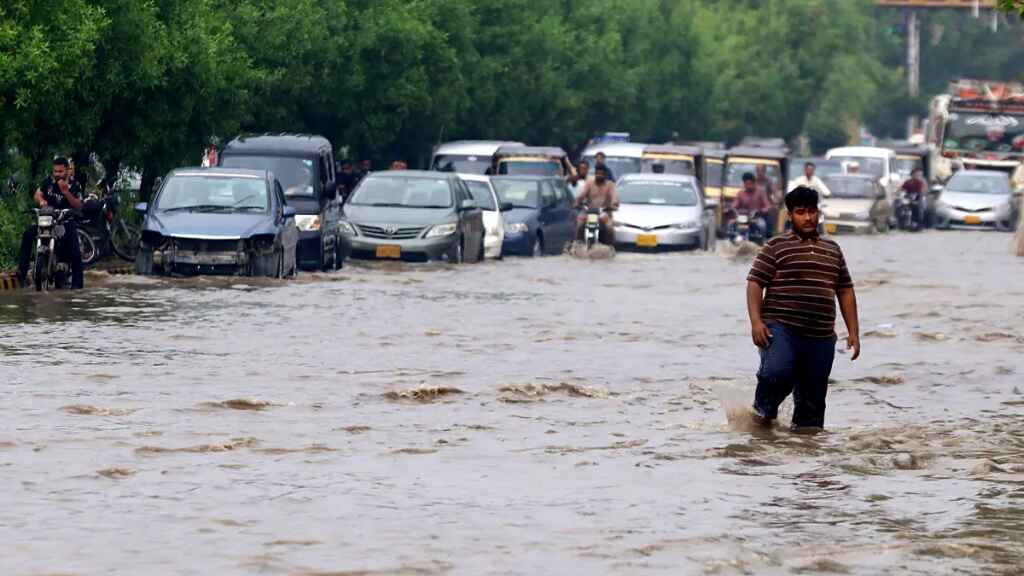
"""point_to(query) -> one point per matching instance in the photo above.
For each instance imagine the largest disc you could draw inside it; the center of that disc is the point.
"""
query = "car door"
(287, 230)
(331, 212)
(569, 203)
(469, 220)
(476, 223)
(554, 236)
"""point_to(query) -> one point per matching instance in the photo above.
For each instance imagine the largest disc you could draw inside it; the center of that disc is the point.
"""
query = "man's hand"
(761, 335)
(853, 343)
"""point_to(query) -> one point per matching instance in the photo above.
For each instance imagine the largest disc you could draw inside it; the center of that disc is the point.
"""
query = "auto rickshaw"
(672, 159)
(743, 159)
(533, 160)
(712, 173)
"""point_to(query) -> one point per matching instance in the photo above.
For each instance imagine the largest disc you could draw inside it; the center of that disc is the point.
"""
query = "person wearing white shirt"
(810, 181)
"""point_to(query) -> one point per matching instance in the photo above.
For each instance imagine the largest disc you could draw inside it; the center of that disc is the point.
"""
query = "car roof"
(813, 159)
(758, 152)
(223, 172)
(627, 149)
(474, 147)
(651, 177)
(983, 173)
(673, 149)
(865, 151)
(520, 150)
(412, 174)
(474, 177)
(530, 177)
(279, 144)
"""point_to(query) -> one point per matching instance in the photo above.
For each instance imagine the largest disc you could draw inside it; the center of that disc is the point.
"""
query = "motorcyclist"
(810, 180)
(578, 181)
(753, 201)
(599, 193)
(914, 195)
(56, 192)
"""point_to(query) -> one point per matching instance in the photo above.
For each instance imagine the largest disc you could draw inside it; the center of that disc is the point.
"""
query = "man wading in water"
(791, 294)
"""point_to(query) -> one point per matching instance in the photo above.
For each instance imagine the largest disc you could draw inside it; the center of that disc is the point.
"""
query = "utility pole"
(913, 63)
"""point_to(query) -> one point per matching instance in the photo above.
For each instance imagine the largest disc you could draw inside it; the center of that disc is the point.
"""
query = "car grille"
(198, 245)
(644, 228)
(390, 233)
(973, 211)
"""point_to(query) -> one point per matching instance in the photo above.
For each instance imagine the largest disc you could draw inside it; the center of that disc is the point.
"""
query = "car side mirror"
(937, 189)
(331, 190)
(506, 207)
(288, 212)
(469, 204)
(142, 207)
(711, 204)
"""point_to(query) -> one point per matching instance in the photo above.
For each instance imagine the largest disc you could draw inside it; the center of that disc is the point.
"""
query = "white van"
(879, 162)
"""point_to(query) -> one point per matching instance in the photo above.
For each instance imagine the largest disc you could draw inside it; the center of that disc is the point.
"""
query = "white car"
(977, 198)
(879, 162)
(494, 223)
(663, 211)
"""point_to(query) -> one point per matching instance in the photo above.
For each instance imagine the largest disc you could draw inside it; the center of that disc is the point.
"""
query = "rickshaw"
(712, 173)
(672, 159)
(910, 157)
(743, 159)
(532, 160)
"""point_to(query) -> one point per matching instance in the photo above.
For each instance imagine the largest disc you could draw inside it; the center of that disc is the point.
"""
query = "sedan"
(413, 215)
(540, 217)
(218, 221)
(494, 224)
(978, 198)
(662, 211)
(858, 204)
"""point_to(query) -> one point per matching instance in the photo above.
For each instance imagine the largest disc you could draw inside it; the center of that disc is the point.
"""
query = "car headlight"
(308, 222)
(865, 215)
(443, 230)
(347, 229)
(691, 225)
(517, 228)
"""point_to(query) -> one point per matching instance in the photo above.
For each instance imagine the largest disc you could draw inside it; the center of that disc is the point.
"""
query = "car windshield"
(865, 165)
(975, 132)
(736, 170)
(979, 184)
(462, 163)
(213, 194)
(519, 193)
(827, 169)
(714, 174)
(670, 166)
(403, 192)
(481, 192)
(658, 193)
(619, 165)
(851, 187)
(530, 167)
(296, 175)
(906, 166)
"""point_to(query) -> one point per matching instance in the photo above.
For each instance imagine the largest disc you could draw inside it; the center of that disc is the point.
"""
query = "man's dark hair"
(584, 161)
(802, 197)
(811, 164)
(61, 161)
(748, 177)
(601, 168)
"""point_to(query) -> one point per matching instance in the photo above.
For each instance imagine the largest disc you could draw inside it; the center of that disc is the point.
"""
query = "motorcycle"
(741, 229)
(592, 233)
(905, 208)
(49, 271)
(106, 232)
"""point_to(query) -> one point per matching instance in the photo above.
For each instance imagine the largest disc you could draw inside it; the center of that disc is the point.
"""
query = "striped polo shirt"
(801, 277)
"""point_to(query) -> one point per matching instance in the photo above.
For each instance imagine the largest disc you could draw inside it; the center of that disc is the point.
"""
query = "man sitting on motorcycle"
(599, 193)
(58, 193)
(914, 196)
(753, 201)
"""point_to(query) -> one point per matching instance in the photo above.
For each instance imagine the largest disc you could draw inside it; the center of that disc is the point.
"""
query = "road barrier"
(9, 282)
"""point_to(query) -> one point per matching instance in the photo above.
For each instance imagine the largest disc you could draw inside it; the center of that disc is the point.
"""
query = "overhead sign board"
(984, 4)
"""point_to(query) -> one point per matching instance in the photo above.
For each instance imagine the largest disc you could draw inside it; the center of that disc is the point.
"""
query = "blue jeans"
(798, 365)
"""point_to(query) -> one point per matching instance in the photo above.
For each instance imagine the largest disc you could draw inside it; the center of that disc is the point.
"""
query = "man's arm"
(583, 195)
(40, 200)
(73, 200)
(848, 306)
(755, 300)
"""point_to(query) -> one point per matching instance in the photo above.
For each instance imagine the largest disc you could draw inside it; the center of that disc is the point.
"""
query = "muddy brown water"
(553, 416)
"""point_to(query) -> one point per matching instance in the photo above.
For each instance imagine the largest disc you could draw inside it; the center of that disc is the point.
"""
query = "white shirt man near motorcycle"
(599, 193)
(56, 192)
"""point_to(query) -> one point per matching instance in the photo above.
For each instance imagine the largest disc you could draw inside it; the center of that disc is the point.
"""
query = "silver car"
(663, 210)
(977, 198)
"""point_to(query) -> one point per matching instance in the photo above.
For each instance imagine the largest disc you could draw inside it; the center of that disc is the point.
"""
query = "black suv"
(304, 165)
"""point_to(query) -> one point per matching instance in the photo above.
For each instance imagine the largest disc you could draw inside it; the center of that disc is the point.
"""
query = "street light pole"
(913, 63)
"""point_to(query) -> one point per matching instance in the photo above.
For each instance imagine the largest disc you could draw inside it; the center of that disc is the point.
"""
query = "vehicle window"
(566, 195)
(519, 193)
(620, 165)
(461, 164)
(906, 166)
(852, 187)
(713, 175)
(409, 192)
(547, 194)
(982, 132)
(325, 171)
(669, 166)
(659, 193)
(873, 166)
(213, 194)
(279, 194)
(481, 192)
(979, 184)
(295, 174)
(735, 171)
(530, 167)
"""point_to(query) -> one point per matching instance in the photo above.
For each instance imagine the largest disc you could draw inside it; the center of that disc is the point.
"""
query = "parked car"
(467, 156)
(858, 204)
(978, 198)
(305, 167)
(494, 223)
(218, 221)
(540, 218)
(662, 211)
(413, 215)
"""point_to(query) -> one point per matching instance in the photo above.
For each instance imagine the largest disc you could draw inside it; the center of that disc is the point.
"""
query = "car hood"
(520, 214)
(846, 205)
(972, 201)
(207, 225)
(654, 216)
(385, 215)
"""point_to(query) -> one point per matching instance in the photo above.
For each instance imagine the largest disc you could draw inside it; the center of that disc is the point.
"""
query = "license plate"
(389, 252)
(647, 241)
(831, 228)
(972, 219)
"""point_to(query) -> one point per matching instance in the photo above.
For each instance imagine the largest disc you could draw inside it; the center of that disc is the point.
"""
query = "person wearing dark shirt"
(914, 194)
(599, 161)
(58, 193)
(792, 290)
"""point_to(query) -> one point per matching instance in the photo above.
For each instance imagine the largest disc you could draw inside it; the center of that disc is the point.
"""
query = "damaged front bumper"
(217, 256)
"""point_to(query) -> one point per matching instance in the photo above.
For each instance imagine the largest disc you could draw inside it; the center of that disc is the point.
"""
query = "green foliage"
(1012, 6)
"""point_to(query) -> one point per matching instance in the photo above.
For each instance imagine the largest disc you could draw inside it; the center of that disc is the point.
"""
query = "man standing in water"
(791, 294)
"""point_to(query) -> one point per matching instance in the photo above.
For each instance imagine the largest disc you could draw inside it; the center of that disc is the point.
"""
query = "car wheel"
(144, 262)
(90, 254)
(456, 254)
(280, 264)
(538, 247)
(325, 263)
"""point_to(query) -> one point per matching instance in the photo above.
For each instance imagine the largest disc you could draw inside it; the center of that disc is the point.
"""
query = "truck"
(978, 124)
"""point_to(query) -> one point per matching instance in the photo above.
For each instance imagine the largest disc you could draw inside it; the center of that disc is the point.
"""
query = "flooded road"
(556, 416)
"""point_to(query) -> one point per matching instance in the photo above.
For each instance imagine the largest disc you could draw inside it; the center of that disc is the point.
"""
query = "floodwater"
(553, 416)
